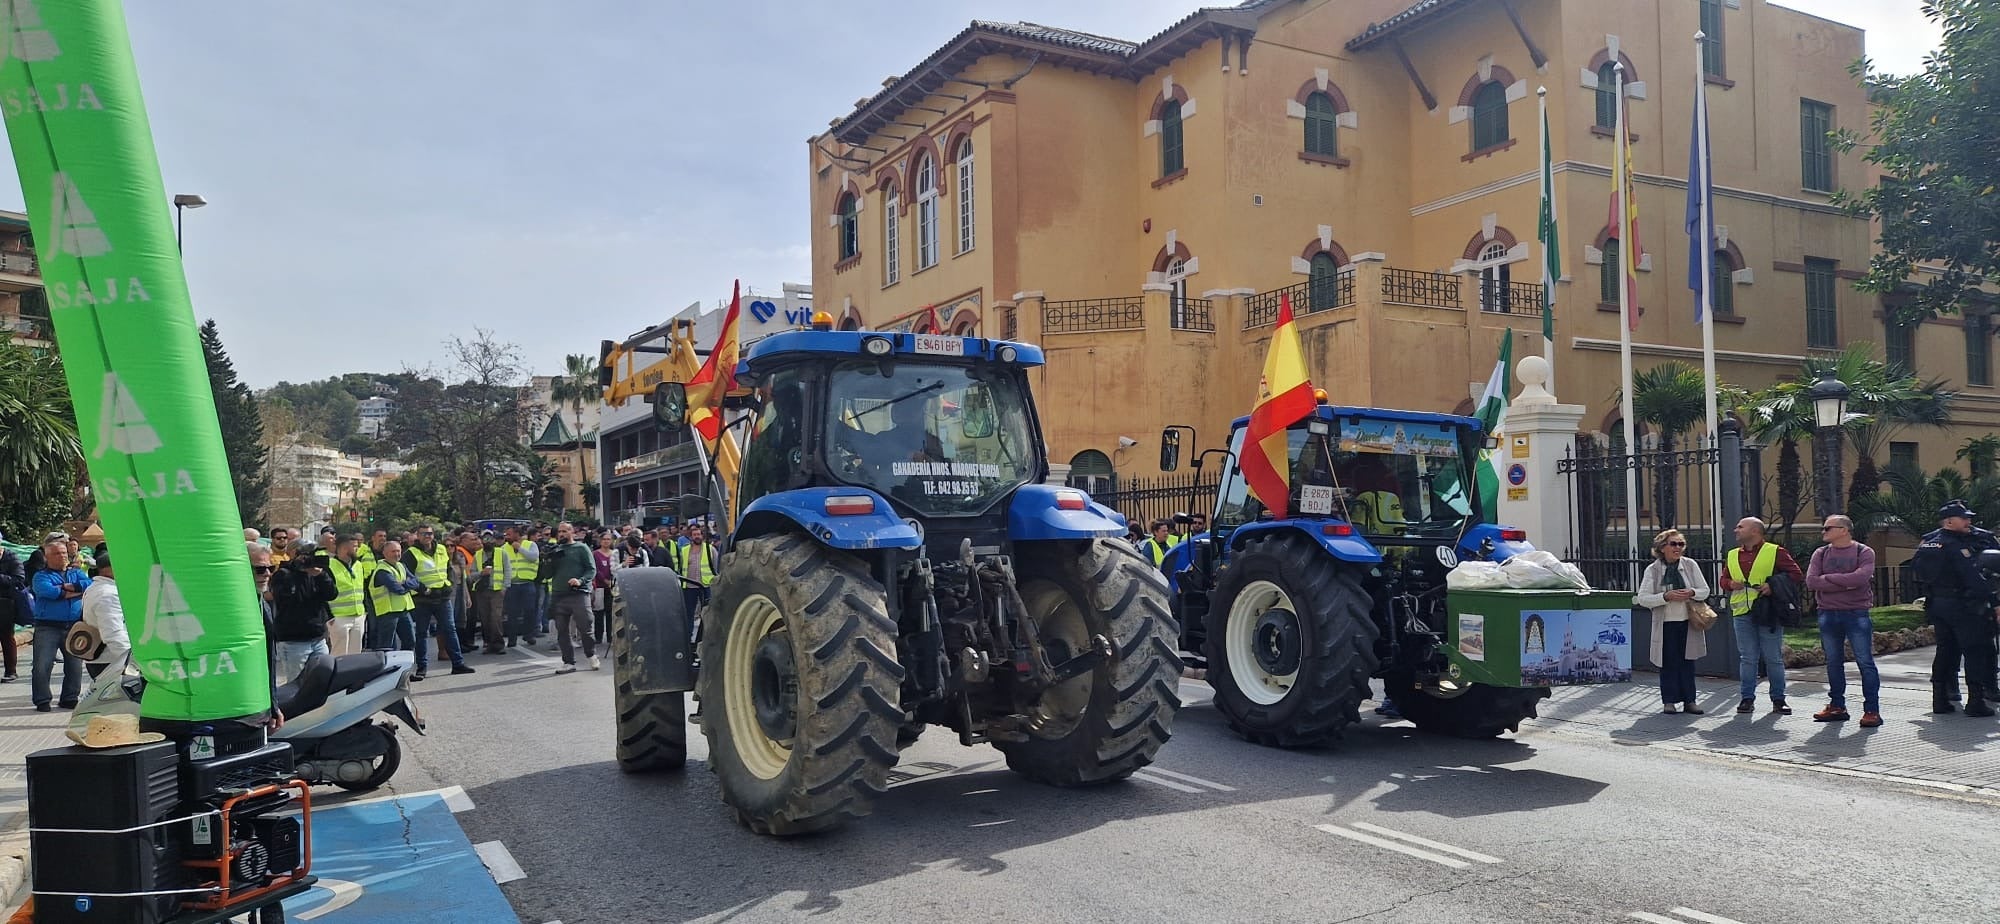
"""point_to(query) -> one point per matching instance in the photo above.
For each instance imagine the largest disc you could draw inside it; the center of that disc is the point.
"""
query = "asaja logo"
(121, 425)
(76, 225)
(25, 37)
(168, 618)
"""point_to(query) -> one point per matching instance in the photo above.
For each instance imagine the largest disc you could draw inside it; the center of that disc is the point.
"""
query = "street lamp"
(1829, 400)
(184, 201)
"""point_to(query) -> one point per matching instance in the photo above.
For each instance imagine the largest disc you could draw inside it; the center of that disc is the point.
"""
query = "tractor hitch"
(1100, 652)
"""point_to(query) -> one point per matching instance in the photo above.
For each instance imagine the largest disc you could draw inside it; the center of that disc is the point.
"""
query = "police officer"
(1960, 602)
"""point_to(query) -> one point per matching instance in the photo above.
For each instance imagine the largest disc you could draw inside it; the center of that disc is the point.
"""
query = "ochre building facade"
(1138, 208)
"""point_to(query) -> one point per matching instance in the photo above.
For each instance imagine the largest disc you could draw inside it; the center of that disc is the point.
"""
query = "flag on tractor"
(717, 376)
(1492, 414)
(1627, 234)
(1284, 398)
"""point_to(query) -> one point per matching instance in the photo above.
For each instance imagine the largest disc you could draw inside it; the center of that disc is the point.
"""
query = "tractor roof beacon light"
(822, 321)
(878, 346)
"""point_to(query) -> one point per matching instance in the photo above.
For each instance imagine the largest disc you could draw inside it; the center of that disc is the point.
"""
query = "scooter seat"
(324, 674)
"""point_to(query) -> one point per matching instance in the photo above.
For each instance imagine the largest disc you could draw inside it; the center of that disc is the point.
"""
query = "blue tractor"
(897, 562)
(1293, 618)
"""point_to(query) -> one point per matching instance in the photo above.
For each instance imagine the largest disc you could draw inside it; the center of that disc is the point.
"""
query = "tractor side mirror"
(1170, 449)
(670, 405)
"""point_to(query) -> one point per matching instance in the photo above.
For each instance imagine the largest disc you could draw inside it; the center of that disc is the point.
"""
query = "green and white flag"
(1551, 248)
(69, 93)
(1492, 414)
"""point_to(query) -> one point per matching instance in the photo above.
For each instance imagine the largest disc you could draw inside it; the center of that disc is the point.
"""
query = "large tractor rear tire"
(652, 727)
(1291, 643)
(799, 685)
(1472, 711)
(1100, 726)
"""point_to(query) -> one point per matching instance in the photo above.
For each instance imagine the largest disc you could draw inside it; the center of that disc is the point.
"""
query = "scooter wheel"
(385, 766)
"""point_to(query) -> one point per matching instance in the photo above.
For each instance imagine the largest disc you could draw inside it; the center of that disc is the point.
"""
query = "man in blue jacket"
(58, 591)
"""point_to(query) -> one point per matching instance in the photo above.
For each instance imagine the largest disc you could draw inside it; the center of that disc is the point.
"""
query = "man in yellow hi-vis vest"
(346, 631)
(1746, 576)
(488, 574)
(1155, 549)
(696, 562)
(523, 594)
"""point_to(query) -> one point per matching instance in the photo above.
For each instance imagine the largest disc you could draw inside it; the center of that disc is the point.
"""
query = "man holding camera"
(302, 591)
(1959, 601)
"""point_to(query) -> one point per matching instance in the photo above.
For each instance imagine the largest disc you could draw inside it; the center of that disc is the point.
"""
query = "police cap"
(1955, 508)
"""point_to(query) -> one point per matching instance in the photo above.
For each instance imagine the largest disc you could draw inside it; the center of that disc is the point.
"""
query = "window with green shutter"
(1822, 317)
(1815, 150)
(1900, 345)
(1978, 357)
(1607, 95)
(1321, 121)
(1711, 27)
(1607, 275)
(1170, 139)
(1722, 288)
(1489, 116)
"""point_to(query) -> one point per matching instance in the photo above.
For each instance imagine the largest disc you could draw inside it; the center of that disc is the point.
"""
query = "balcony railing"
(1323, 294)
(27, 328)
(1424, 290)
(1086, 315)
(23, 264)
(1192, 314)
(1509, 297)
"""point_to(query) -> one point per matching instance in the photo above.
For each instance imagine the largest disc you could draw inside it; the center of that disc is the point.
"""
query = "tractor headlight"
(1007, 354)
(877, 346)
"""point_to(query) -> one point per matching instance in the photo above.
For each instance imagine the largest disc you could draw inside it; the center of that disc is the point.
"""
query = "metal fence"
(1192, 314)
(1323, 293)
(1424, 290)
(1084, 315)
(1676, 490)
(1143, 500)
(1500, 297)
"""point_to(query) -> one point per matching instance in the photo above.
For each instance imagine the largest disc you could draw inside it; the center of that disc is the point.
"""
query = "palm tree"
(1781, 414)
(40, 455)
(577, 385)
(1672, 397)
(1912, 500)
(1882, 401)
(1979, 453)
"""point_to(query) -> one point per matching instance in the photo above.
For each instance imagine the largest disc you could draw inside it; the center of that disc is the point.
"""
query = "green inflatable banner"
(69, 93)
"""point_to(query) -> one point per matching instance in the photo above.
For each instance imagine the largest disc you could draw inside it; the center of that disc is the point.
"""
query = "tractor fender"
(1503, 549)
(655, 630)
(1033, 514)
(1350, 548)
(805, 509)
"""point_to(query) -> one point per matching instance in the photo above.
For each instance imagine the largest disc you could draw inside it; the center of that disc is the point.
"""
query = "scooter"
(328, 708)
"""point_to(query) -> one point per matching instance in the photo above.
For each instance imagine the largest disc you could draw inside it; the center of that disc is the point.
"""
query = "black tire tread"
(1335, 618)
(652, 727)
(1480, 712)
(392, 758)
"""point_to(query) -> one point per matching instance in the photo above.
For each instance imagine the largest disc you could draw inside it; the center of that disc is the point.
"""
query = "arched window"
(1489, 116)
(1090, 471)
(1722, 285)
(850, 226)
(1320, 122)
(927, 212)
(1608, 276)
(892, 233)
(1171, 161)
(965, 208)
(1177, 300)
(1494, 276)
(1325, 279)
(1607, 95)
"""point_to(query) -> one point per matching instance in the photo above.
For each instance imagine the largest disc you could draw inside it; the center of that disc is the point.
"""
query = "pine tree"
(242, 428)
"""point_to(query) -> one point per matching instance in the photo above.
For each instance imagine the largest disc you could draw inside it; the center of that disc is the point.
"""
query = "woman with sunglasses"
(1671, 581)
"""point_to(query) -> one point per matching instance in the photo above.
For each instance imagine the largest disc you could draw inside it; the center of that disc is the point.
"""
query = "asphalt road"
(1554, 825)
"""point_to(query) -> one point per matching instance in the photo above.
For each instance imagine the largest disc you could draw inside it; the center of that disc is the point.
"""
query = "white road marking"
(1705, 917)
(456, 799)
(1654, 918)
(1424, 842)
(989, 824)
(499, 862)
(531, 654)
(344, 893)
(1386, 844)
(1162, 771)
(1170, 784)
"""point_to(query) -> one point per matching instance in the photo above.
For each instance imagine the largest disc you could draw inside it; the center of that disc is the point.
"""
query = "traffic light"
(604, 350)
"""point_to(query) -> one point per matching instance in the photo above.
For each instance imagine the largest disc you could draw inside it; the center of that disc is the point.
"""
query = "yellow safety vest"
(680, 556)
(523, 567)
(365, 554)
(433, 568)
(496, 558)
(350, 582)
(386, 603)
(1745, 594)
(1157, 550)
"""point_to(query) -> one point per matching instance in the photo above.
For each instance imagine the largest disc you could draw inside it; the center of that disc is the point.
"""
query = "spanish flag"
(717, 376)
(1284, 398)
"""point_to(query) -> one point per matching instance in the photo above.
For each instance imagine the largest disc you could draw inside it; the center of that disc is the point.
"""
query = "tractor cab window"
(775, 456)
(1388, 478)
(939, 439)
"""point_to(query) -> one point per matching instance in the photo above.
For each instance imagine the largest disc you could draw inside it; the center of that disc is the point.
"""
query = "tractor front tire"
(1479, 711)
(1100, 726)
(1291, 642)
(652, 727)
(799, 685)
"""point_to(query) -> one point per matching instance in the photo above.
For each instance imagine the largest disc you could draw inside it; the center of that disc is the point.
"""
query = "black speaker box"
(80, 803)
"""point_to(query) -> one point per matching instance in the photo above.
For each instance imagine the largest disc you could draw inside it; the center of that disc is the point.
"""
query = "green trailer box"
(1540, 638)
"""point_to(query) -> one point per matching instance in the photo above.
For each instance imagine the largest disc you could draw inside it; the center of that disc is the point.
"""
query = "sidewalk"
(23, 731)
(1911, 743)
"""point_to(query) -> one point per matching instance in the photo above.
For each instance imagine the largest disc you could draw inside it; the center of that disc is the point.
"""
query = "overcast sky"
(383, 175)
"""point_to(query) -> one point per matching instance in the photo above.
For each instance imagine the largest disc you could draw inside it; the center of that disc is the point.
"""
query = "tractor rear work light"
(1007, 354)
(1070, 500)
(1336, 529)
(877, 346)
(851, 505)
(1513, 535)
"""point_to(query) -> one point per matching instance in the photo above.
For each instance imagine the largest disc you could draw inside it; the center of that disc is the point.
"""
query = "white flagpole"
(1623, 184)
(1706, 179)
(1549, 196)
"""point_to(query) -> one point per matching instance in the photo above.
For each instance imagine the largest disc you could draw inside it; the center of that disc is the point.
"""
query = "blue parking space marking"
(401, 859)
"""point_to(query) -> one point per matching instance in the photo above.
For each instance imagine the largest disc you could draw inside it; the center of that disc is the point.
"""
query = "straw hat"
(115, 730)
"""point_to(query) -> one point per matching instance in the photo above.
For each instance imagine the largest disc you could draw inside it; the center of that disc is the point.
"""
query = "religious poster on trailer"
(1570, 647)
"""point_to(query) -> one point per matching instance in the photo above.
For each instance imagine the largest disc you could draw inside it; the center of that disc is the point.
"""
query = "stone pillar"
(1537, 430)
(1357, 383)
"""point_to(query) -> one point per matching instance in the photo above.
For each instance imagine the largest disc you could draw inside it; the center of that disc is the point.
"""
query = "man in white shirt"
(103, 612)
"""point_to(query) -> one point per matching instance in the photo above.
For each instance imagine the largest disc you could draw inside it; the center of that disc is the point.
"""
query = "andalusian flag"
(1546, 232)
(1284, 398)
(1492, 414)
(717, 376)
